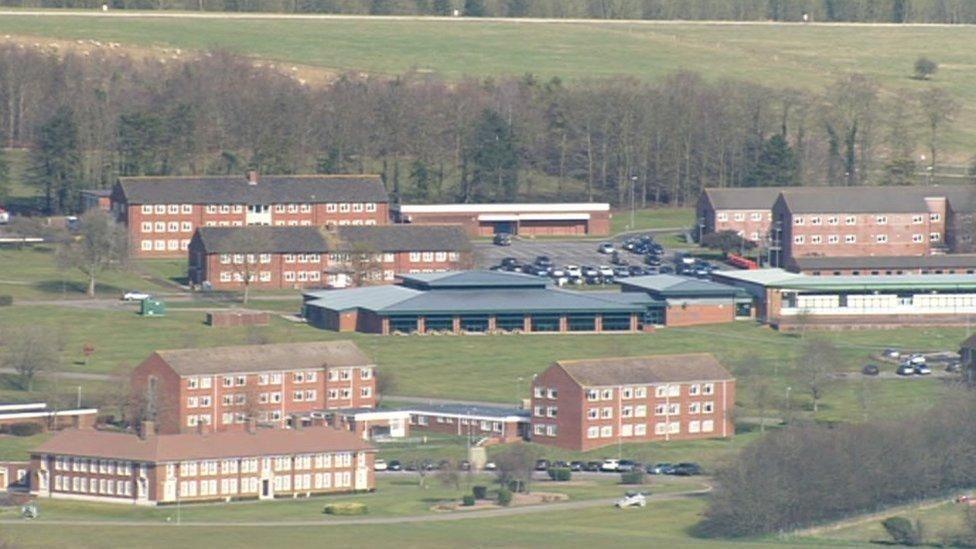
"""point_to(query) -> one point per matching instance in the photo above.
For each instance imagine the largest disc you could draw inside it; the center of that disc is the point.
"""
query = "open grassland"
(652, 218)
(939, 522)
(780, 55)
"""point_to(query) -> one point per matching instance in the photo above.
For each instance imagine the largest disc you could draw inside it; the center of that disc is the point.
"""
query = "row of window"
(741, 216)
(484, 425)
(640, 429)
(433, 256)
(171, 245)
(172, 227)
(167, 208)
(276, 378)
(86, 465)
(660, 391)
(852, 239)
(250, 465)
(852, 219)
(85, 485)
(239, 259)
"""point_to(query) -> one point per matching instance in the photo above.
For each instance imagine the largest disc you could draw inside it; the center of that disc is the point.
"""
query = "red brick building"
(566, 219)
(222, 388)
(313, 257)
(162, 213)
(747, 211)
(151, 469)
(96, 199)
(585, 404)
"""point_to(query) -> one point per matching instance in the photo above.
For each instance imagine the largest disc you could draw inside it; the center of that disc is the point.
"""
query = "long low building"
(566, 219)
(886, 265)
(685, 301)
(497, 423)
(474, 301)
(48, 418)
(791, 301)
(150, 469)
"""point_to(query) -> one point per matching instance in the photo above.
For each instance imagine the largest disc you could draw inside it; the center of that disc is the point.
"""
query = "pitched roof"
(263, 239)
(939, 261)
(369, 297)
(224, 444)
(262, 358)
(875, 199)
(270, 189)
(666, 285)
(645, 369)
(404, 238)
(473, 280)
(743, 198)
(503, 300)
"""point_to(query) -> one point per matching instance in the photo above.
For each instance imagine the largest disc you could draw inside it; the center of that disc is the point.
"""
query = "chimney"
(296, 422)
(252, 177)
(147, 429)
(252, 425)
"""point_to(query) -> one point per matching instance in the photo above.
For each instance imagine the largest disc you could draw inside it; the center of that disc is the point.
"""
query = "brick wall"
(691, 314)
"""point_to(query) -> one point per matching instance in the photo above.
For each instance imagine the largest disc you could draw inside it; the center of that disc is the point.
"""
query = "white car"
(573, 270)
(606, 248)
(135, 295)
(605, 270)
(610, 465)
(922, 369)
(631, 499)
(917, 360)
(490, 466)
(379, 465)
(4, 216)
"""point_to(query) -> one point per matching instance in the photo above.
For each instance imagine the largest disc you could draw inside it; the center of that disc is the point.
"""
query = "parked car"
(665, 269)
(135, 295)
(631, 499)
(605, 248)
(543, 261)
(576, 465)
(380, 465)
(636, 270)
(954, 367)
(502, 239)
(870, 370)
(509, 262)
(592, 466)
(891, 353)
(574, 271)
(922, 370)
(621, 272)
(559, 464)
(905, 369)
(464, 465)
(490, 466)
(605, 271)
(610, 465)
(659, 469)
(589, 270)
(4, 216)
(626, 466)
(916, 360)
(394, 465)
(541, 464)
(686, 469)
(616, 259)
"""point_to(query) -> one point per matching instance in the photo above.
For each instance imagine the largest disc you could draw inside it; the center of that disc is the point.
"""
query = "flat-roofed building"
(149, 468)
(40, 413)
(585, 404)
(558, 219)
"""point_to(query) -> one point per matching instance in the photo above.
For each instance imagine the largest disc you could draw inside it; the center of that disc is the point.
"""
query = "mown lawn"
(653, 218)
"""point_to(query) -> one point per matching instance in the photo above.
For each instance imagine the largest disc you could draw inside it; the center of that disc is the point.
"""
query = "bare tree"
(448, 475)
(515, 463)
(938, 107)
(102, 245)
(246, 250)
(816, 368)
(386, 383)
(30, 350)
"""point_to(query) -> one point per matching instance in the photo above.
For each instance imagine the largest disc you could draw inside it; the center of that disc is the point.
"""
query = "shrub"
(345, 509)
(25, 429)
(480, 492)
(504, 497)
(467, 500)
(516, 486)
(902, 531)
(6, 300)
(632, 477)
(560, 473)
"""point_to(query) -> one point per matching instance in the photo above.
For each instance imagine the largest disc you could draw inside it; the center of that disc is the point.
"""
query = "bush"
(902, 531)
(6, 300)
(25, 429)
(516, 486)
(480, 492)
(467, 500)
(345, 509)
(504, 497)
(560, 473)
(632, 477)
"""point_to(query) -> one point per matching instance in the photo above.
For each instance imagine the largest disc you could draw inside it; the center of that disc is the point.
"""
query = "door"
(361, 479)
(266, 491)
(169, 490)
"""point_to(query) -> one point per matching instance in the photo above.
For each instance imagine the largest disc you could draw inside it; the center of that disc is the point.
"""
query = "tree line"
(90, 118)
(874, 11)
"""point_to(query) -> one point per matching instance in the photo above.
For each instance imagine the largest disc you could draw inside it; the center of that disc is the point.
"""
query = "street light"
(633, 184)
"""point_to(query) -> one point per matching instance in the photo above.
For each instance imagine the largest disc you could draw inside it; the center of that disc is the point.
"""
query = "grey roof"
(373, 298)
(670, 286)
(472, 279)
(261, 239)
(458, 409)
(604, 372)
(634, 298)
(97, 192)
(940, 261)
(270, 189)
(874, 199)
(404, 238)
(505, 300)
(778, 278)
(743, 198)
(261, 358)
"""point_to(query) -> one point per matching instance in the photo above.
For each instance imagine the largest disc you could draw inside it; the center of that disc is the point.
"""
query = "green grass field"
(781, 55)
(654, 218)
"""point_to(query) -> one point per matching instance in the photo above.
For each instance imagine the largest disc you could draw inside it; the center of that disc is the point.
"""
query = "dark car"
(636, 270)
(652, 260)
(593, 280)
(616, 259)
(592, 466)
(464, 465)
(665, 269)
(541, 464)
(560, 465)
(625, 466)
(509, 262)
(502, 239)
(589, 270)
(394, 465)
(543, 261)
(686, 469)
(577, 465)
(621, 272)
(870, 370)
(953, 367)
(660, 469)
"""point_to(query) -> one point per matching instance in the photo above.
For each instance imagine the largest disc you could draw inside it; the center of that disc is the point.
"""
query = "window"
(370, 206)
(627, 392)
(739, 216)
(191, 402)
(160, 208)
(551, 430)
(756, 216)
(850, 239)
(211, 208)
(694, 408)
(344, 207)
(606, 431)
(592, 395)
(881, 238)
(934, 217)
(606, 413)
(640, 411)
(816, 220)
(694, 426)
(440, 256)
(224, 208)
(640, 430)
(414, 256)
(798, 220)
(722, 216)
(640, 392)
(186, 208)
(147, 227)
(707, 426)
(918, 238)
(708, 389)
(850, 220)
(694, 389)
(798, 239)
(708, 407)
(225, 277)
(173, 226)
(606, 394)
(228, 381)
(428, 256)
(833, 239)
(147, 209)
(935, 237)
(881, 220)
(146, 245)
(592, 413)
(160, 226)
(816, 239)
(357, 207)
(593, 432)
(310, 395)
(538, 429)
(832, 220)
(330, 208)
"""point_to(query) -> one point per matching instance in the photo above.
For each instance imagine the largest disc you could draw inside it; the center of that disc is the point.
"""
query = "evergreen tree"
(140, 136)
(776, 165)
(494, 159)
(518, 8)
(422, 179)
(4, 176)
(442, 7)
(55, 165)
(474, 8)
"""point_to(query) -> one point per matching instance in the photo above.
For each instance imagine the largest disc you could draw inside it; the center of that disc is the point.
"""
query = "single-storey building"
(886, 265)
(685, 301)
(567, 219)
(500, 424)
(473, 302)
(48, 418)
(790, 301)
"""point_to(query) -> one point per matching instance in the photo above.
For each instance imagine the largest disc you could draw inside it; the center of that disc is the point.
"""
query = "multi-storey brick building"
(149, 469)
(746, 211)
(314, 257)
(586, 404)
(222, 388)
(162, 213)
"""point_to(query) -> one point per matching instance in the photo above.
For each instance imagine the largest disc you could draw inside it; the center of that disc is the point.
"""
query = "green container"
(152, 307)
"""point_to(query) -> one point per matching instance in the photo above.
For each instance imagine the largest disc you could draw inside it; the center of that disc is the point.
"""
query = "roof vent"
(252, 177)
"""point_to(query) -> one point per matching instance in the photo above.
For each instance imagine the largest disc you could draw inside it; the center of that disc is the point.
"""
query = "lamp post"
(633, 185)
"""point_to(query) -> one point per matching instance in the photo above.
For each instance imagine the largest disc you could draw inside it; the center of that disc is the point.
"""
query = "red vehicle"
(741, 262)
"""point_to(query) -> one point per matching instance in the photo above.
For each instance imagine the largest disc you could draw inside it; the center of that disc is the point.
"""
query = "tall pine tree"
(494, 159)
(776, 165)
(55, 162)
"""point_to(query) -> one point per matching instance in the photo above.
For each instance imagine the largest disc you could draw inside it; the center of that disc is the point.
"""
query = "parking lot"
(563, 252)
